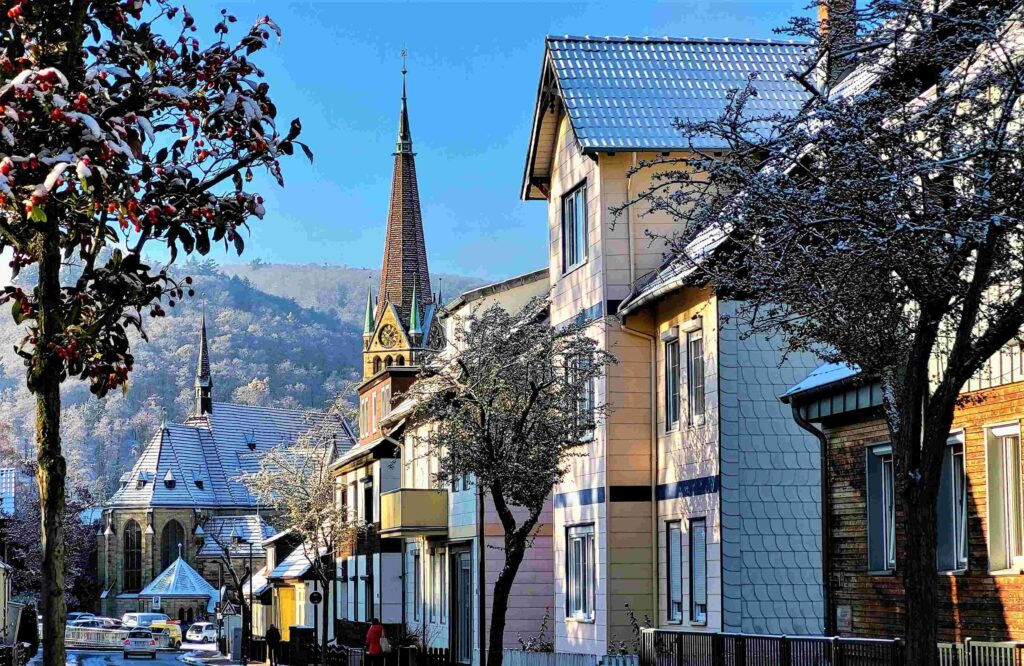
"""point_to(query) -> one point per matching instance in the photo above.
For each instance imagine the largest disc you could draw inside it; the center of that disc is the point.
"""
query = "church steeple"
(405, 254)
(204, 381)
(368, 318)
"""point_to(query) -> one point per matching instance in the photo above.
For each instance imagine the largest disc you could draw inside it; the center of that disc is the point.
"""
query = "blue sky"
(473, 70)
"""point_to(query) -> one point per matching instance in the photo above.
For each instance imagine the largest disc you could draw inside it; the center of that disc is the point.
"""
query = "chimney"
(837, 32)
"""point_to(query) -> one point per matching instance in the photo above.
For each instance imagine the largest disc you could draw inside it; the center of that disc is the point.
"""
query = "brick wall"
(973, 604)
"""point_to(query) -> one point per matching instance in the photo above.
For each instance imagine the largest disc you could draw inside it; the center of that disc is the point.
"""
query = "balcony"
(412, 512)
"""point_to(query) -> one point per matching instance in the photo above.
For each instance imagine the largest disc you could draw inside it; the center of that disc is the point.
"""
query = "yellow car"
(173, 632)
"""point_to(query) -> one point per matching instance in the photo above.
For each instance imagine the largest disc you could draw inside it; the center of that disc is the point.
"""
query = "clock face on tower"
(388, 336)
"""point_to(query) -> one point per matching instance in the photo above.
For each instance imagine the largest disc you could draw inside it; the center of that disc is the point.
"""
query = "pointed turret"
(405, 252)
(204, 381)
(368, 318)
(415, 327)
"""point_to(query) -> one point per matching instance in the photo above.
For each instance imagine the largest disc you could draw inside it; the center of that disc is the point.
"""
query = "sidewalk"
(208, 658)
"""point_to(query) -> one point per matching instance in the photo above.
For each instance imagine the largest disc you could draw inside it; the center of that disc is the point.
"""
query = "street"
(115, 658)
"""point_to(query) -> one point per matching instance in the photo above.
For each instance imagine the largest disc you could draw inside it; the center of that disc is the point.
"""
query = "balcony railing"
(410, 512)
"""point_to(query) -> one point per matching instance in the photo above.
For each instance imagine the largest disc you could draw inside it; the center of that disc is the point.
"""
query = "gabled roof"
(220, 530)
(623, 93)
(179, 580)
(295, 565)
(822, 377)
(214, 450)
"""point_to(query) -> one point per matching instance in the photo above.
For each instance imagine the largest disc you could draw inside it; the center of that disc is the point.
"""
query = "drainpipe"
(826, 536)
(481, 576)
(654, 463)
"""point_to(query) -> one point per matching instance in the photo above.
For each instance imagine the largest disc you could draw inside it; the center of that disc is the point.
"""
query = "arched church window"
(172, 535)
(387, 362)
(376, 365)
(132, 541)
(400, 361)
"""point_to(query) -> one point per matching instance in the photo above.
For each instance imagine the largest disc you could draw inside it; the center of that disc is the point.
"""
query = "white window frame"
(889, 509)
(1007, 476)
(674, 560)
(672, 384)
(577, 226)
(580, 572)
(695, 393)
(960, 499)
(417, 585)
(698, 601)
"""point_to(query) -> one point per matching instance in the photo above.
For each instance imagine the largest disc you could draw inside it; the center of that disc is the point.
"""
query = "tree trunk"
(919, 582)
(44, 382)
(499, 602)
(325, 610)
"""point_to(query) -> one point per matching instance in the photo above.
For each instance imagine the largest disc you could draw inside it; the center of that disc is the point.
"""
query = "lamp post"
(238, 538)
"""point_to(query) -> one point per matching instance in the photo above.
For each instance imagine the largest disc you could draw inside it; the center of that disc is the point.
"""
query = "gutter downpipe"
(826, 536)
(481, 577)
(656, 593)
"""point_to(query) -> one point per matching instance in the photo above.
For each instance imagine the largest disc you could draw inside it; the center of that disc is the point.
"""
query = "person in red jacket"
(374, 652)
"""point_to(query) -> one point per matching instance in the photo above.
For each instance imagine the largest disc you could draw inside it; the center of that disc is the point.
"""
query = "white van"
(142, 619)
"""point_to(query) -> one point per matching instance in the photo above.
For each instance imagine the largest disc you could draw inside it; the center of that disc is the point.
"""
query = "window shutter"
(699, 549)
(996, 506)
(945, 504)
(876, 522)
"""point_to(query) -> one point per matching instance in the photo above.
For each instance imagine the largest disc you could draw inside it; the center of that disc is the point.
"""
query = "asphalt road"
(110, 658)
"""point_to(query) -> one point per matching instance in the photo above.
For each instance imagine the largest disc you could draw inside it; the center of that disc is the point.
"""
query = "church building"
(182, 499)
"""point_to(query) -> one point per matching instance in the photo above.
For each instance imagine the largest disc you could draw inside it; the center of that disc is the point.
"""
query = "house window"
(368, 499)
(580, 366)
(694, 376)
(580, 572)
(1004, 495)
(672, 384)
(417, 585)
(574, 228)
(132, 536)
(698, 571)
(951, 509)
(438, 611)
(373, 412)
(171, 538)
(881, 509)
(674, 571)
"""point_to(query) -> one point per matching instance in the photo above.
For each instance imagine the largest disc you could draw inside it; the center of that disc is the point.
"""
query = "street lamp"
(238, 538)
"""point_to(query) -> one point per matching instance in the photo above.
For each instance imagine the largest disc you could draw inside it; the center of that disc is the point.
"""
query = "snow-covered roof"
(295, 565)
(822, 376)
(219, 531)
(623, 92)
(260, 583)
(179, 580)
(197, 463)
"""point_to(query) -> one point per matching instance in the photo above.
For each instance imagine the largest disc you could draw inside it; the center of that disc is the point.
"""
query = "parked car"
(142, 619)
(139, 642)
(173, 631)
(79, 615)
(87, 623)
(110, 622)
(202, 632)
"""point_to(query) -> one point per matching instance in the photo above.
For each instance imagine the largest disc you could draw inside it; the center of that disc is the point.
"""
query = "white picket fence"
(521, 658)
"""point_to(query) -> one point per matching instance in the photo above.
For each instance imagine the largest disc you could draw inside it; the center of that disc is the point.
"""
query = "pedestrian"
(273, 638)
(375, 642)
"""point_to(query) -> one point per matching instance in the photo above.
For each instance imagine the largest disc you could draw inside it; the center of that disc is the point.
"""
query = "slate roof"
(623, 92)
(206, 454)
(218, 532)
(295, 565)
(179, 580)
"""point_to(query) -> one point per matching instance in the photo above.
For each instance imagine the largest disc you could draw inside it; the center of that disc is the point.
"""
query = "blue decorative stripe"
(688, 488)
(580, 498)
(592, 313)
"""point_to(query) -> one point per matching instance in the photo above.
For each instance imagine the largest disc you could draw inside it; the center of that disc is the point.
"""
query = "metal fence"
(88, 637)
(523, 658)
(662, 647)
(666, 647)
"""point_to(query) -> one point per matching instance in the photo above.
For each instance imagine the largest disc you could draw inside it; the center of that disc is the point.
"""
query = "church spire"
(414, 315)
(204, 381)
(405, 254)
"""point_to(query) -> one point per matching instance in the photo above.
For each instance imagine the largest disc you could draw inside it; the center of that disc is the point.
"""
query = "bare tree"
(296, 483)
(508, 403)
(881, 227)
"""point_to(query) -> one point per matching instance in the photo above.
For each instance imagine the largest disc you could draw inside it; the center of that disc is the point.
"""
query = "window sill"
(882, 572)
(1005, 572)
(699, 624)
(575, 267)
(671, 429)
(954, 572)
(580, 620)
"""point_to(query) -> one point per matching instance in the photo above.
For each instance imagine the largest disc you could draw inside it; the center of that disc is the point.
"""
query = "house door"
(285, 611)
(462, 606)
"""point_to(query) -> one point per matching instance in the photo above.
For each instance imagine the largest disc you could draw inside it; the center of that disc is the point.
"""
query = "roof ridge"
(640, 39)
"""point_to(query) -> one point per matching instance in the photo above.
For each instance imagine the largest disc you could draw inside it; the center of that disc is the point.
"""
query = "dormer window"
(250, 440)
(197, 479)
(169, 480)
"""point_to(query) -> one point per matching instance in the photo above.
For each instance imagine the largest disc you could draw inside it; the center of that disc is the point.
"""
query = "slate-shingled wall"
(770, 490)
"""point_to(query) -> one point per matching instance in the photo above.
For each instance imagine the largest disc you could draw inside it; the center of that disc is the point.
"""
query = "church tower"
(401, 322)
(204, 381)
